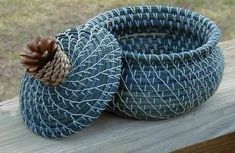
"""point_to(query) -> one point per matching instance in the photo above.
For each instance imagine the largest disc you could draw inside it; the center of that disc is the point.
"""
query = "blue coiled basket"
(59, 111)
(171, 61)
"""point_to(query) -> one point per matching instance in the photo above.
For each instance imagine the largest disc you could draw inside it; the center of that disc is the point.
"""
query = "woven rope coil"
(55, 71)
(62, 110)
(171, 61)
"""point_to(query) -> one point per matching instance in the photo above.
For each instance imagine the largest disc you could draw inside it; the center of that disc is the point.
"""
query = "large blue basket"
(171, 61)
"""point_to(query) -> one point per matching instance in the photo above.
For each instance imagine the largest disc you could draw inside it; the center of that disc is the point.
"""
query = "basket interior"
(162, 34)
(158, 40)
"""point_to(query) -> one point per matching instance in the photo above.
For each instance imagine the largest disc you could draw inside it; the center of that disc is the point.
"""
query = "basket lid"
(62, 110)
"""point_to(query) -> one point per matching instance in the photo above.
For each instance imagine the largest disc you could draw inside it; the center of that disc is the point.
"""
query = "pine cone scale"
(44, 59)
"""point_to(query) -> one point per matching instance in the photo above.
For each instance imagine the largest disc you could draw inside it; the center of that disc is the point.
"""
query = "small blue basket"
(171, 60)
(59, 111)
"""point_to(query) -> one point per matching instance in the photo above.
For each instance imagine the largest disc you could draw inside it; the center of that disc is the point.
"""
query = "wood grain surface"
(112, 134)
(222, 144)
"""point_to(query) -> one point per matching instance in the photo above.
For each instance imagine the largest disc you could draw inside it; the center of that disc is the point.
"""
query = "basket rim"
(212, 40)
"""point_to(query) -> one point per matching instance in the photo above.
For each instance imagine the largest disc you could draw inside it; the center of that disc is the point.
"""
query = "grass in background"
(23, 20)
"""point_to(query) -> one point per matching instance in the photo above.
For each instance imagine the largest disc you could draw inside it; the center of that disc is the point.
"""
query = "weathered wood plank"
(113, 134)
(222, 144)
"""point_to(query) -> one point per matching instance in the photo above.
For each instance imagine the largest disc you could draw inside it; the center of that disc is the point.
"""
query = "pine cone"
(38, 53)
(44, 59)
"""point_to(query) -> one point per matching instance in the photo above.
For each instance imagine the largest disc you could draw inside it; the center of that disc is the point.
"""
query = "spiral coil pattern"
(59, 111)
(171, 61)
(155, 62)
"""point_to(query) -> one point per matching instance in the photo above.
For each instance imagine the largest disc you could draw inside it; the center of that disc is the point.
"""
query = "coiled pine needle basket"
(64, 109)
(171, 60)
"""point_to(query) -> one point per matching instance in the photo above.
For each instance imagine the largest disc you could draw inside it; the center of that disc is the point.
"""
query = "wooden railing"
(112, 134)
